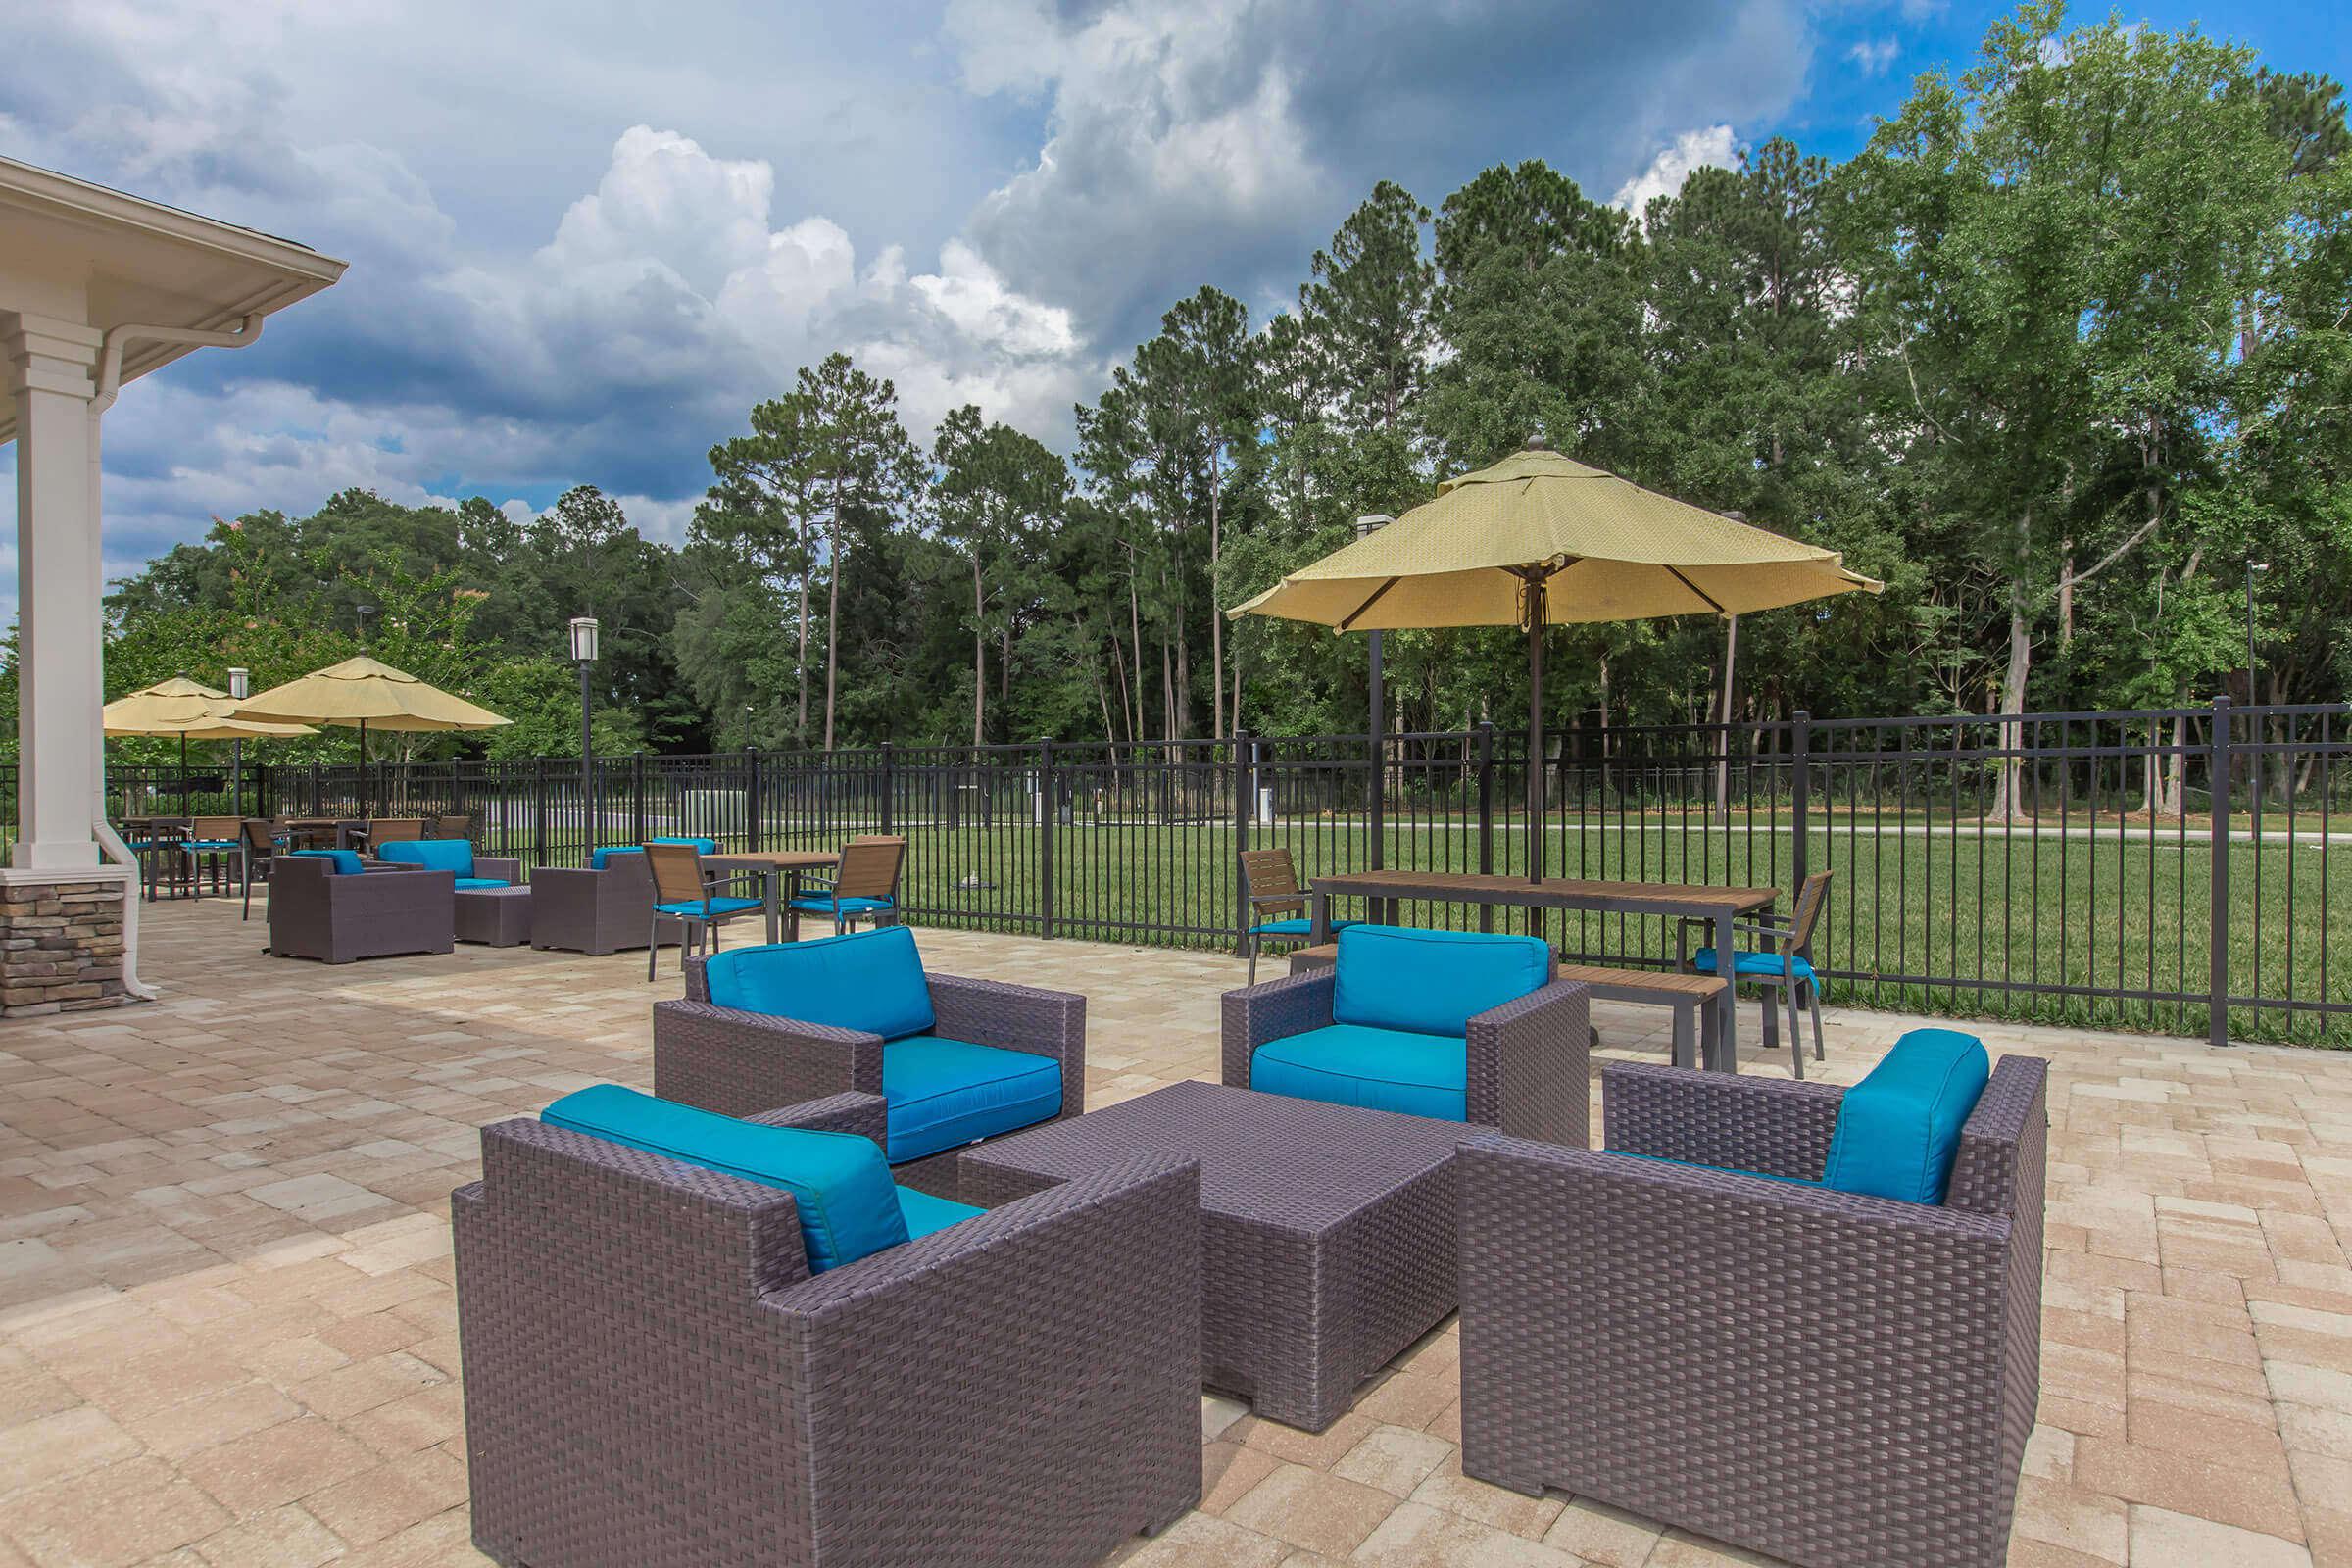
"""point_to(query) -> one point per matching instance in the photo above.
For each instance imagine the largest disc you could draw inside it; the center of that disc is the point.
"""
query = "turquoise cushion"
(851, 905)
(925, 1214)
(704, 846)
(1764, 963)
(1432, 982)
(346, 861)
(869, 980)
(943, 1092)
(598, 860)
(1382, 1069)
(208, 845)
(1898, 1130)
(849, 1205)
(434, 855)
(1296, 928)
(699, 907)
(475, 883)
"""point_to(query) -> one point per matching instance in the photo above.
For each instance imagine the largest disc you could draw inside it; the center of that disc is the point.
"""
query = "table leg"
(1726, 1056)
(792, 915)
(1318, 925)
(769, 885)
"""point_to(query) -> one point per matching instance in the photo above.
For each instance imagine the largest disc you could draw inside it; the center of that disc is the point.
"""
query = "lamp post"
(583, 653)
(240, 686)
(1365, 528)
(2252, 566)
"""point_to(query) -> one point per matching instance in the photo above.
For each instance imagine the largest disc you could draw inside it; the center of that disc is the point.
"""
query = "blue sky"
(585, 236)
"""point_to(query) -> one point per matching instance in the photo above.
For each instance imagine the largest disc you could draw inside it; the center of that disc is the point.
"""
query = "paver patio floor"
(228, 1334)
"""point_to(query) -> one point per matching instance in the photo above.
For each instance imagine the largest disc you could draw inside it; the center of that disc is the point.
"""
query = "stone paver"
(227, 1333)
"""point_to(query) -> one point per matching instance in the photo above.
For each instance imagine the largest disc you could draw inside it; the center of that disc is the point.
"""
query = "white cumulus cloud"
(1707, 147)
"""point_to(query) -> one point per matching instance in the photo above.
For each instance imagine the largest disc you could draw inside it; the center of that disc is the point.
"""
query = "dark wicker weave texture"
(741, 1062)
(1529, 1062)
(653, 1378)
(581, 910)
(1826, 1378)
(314, 914)
(1329, 1232)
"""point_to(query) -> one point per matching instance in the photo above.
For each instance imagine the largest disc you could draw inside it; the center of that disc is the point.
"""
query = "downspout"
(110, 386)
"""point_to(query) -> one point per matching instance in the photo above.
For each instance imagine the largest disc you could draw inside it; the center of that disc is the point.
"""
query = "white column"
(59, 589)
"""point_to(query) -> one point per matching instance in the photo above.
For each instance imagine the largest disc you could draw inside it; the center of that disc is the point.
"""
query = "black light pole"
(240, 687)
(583, 653)
(2252, 566)
(1378, 730)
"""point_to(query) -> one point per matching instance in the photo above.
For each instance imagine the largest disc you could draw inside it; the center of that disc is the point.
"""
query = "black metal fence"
(2175, 870)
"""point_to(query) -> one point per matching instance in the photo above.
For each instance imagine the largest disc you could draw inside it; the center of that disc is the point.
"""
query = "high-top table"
(1719, 906)
(776, 868)
(1327, 1241)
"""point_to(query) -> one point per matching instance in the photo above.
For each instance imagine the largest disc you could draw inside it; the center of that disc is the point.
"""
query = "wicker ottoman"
(1327, 1231)
(497, 918)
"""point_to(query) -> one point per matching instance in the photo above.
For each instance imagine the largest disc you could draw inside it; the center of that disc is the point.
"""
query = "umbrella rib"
(1349, 624)
(1694, 588)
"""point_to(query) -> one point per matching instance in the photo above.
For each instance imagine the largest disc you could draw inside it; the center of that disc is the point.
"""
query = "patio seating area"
(227, 1319)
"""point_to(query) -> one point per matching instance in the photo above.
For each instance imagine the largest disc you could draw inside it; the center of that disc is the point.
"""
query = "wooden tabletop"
(1475, 887)
(775, 859)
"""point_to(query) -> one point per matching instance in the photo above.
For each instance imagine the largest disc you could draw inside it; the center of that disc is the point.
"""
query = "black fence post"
(637, 797)
(1486, 815)
(316, 805)
(1244, 802)
(1048, 808)
(2218, 771)
(889, 792)
(538, 811)
(1800, 799)
(751, 797)
(1376, 749)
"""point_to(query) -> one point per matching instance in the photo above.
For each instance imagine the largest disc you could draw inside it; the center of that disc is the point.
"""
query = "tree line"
(2058, 355)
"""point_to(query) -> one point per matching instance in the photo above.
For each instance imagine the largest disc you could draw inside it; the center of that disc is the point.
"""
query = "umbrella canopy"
(1603, 549)
(366, 691)
(1536, 540)
(190, 711)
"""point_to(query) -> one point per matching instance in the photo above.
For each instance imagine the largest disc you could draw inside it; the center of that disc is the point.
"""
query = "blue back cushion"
(597, 858)
(848, 1207)
(870, 980)
(434, 855)
(346, 861)
(1898, 1130)
(1430, 982)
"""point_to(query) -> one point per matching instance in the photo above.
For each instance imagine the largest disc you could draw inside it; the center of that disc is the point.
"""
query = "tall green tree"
(999, 496)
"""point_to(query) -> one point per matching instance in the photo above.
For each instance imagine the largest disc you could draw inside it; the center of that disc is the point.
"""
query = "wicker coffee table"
(497, 918)
(1328, 1232)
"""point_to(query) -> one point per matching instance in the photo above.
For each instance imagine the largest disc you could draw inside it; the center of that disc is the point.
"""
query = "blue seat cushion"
(851, 905)
(925, 1214)
(1381, 1069)
(1767, 964)
(945, 1092)
(208, 844)
(1300, 927)
(434, 855)
(849, 1205)
(1432, 982)
(1898, 1130)
(346, 861)
(476, 883)
(698, 908)
(868, 980)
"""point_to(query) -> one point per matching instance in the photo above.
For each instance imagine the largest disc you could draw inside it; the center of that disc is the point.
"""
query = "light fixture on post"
(583, 653)
(240, 687)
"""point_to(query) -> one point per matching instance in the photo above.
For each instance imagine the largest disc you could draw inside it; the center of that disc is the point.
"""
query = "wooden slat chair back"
(870, 866)
(677, 871)
(219, 829)
(395, 830)
(1271, 882)
(1809, 902)
(678, 879)
(452, 827)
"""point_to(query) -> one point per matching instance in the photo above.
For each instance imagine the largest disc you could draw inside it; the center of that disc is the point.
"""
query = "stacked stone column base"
(60, 944)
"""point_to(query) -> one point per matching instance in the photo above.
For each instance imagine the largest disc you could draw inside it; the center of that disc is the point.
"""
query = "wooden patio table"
(776, 867)
(1719, 906)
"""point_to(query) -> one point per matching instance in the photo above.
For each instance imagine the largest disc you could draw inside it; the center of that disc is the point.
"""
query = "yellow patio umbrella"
(1536, 540)
(191, 710)
(365, 691)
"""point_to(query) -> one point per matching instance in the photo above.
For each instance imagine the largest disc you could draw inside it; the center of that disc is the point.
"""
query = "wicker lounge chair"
(599, 907)
(1819, 1373)
(877, 1034)
(1423, 1037)
(653, 1377)
(324, 906)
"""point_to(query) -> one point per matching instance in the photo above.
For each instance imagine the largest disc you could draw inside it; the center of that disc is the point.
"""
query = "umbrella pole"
(1535, 728)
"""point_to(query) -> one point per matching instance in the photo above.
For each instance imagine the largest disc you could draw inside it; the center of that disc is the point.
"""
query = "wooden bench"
(1691, 996)
(1322, 958)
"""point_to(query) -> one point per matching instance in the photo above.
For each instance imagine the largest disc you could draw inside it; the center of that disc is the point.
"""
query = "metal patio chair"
(1782, 963)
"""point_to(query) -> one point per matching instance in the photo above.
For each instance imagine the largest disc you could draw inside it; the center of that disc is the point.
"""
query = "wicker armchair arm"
(506, 868)
(739, 1063)
(1255, 1015)
(2004, 1146)
(867, 1116)
(1769, 1125)
(1045, 1023)
(1530, 1065)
